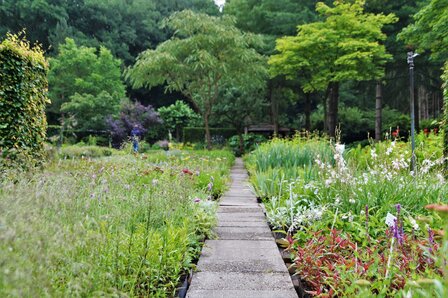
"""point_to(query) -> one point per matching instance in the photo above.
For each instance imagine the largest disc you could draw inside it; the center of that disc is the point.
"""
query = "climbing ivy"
(23, 97)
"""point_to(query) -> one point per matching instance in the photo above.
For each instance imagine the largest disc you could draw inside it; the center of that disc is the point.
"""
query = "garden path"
(244, 261)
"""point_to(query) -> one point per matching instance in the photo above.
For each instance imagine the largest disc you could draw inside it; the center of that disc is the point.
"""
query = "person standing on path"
(134, 135)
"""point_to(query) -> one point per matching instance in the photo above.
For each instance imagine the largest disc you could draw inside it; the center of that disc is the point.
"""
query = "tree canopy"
(126, 27)
(430, 30)
(204, 54)
(344, 46)
(83, 70)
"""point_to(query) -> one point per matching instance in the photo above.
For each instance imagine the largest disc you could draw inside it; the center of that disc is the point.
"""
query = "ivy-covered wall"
(23, 97)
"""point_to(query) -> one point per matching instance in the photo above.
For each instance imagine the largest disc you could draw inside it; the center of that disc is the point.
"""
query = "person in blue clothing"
(134, 135)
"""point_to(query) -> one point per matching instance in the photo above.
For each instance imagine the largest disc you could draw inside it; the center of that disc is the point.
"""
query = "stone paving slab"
(239, 194)
(243, 224)
(243, 233)
(248, 199)
(240, 294)
(240, 217)
(242, 195)
(244, 262)
(241, 285)
(239, 209)
(239, 203)
(244, 256)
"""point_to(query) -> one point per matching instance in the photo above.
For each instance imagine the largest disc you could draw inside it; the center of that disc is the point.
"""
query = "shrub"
(132, 114)
(197, 134)
(250, 143)
(23, 97)
(84, 151)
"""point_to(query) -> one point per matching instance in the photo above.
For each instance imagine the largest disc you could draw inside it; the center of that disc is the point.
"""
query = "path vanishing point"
(244, 261)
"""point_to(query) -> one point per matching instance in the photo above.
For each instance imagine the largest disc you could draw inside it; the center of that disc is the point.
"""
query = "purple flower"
(431, 239)
(197, 200)
(398, 232)
(210, 186)
(398, 207)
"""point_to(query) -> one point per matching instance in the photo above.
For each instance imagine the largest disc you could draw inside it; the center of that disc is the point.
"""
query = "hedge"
(23, 97)
(445, 112)
(197, 134)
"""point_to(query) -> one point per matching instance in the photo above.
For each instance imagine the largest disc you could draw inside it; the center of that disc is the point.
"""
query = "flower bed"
(333, 213)
(113, 226)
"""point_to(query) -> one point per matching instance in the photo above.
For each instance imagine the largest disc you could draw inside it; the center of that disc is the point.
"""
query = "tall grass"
(115, 226)
(378, 176)
(290, 153)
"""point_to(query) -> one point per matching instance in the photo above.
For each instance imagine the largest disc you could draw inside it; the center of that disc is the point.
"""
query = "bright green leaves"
(345, 45)
(78, 74)
(204, 54)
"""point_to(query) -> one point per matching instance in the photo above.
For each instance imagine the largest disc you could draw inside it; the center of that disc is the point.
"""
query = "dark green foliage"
(357, 124)
(197, 134)
(127, 27)
(23, 97)
(250, 143)
(429, 32)
(90, 112)
(271, 17)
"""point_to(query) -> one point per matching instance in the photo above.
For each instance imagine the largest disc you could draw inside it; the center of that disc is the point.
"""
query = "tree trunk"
(333, 109)
(308, 111)
(207, 132)
(240, 135)
(274, 110)
(378, 110)
(178, 133)
(327, 93)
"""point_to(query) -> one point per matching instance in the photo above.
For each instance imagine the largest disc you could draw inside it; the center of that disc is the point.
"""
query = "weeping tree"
(204, 54)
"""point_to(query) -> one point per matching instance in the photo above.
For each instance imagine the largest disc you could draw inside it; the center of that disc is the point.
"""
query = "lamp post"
(411, 56)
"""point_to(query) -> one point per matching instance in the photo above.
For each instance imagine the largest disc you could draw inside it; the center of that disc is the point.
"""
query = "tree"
(344, 46)
(91, 111)
(273, 19)
(240, 108)
(84, 71)
(204, 54)
(126, 27)
(429, 32)
(177, 116)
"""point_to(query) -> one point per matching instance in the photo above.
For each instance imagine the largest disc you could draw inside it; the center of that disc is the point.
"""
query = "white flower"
(352, 201)
(390, 219)
(340, 148)
(414, 224)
